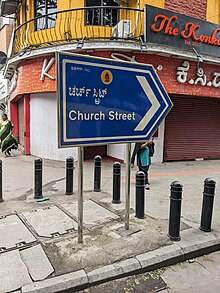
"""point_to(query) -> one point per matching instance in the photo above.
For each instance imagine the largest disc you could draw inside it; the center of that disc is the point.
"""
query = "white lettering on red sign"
(46, 67)
(201, 78)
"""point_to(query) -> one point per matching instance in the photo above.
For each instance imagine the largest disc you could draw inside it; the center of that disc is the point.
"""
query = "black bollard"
(38, 168)
(1, 198)
(175, 210)
(97, 173)
(207, 205)
(116, 183)
(140, 188)
(69, 175)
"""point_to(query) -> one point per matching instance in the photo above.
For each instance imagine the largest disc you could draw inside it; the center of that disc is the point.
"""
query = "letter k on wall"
(46, 67)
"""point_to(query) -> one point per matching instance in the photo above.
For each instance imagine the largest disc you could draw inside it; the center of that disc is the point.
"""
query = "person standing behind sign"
(144, 152)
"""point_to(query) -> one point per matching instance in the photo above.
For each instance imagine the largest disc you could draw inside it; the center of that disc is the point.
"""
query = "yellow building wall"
(71, 4)
(71, 26)
(213, 11)
(74, 3)
(68, 4)
(157, 3)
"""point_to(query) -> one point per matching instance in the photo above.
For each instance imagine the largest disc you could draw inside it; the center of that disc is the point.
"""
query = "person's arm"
(148, 142)
(144, 145)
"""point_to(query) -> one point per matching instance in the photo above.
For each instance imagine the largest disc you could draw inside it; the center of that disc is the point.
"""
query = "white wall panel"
(43, 128)
(116, 151)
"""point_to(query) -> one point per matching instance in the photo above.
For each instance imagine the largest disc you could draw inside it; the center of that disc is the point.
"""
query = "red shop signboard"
(165, 27)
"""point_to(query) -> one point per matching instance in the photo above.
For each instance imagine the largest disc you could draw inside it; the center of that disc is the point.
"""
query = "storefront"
(192, 127)
(184, 52)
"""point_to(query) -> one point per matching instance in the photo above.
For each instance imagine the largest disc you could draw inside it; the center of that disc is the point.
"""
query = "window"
(41, 9)
(101, 16)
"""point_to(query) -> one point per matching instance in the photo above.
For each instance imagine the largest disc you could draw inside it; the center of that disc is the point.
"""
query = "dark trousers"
(145, 170)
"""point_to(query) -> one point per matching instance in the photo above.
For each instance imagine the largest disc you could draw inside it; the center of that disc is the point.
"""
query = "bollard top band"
(140, 184)
(140, 174)
(209, 181)
(117, 164)
(176, 199)
(97, 158)
(176, 190)
(38, 160)
(176, 184)
(69, 159)
(210, 193)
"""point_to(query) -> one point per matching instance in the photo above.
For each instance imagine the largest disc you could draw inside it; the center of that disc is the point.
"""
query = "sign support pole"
(127, 185)
(80, 194)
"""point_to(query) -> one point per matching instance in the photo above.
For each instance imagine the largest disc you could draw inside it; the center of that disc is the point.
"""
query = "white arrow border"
(155, 105)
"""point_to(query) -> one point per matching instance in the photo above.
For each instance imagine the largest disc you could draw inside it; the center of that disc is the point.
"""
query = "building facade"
(6, 28)
(180, 38)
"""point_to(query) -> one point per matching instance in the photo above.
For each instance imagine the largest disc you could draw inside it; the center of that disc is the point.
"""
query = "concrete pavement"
(41, 238)
(199, 275)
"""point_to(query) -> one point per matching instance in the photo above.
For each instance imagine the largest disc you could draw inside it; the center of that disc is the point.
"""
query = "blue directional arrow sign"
(107, 101)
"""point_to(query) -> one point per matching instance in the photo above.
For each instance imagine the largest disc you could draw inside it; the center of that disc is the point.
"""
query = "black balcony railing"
(70, 26)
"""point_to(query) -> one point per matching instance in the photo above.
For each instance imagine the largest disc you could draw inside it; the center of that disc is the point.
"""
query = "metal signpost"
(80, 194)
(104, 101)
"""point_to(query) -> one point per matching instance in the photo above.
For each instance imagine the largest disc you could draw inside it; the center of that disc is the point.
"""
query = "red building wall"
(168, 74)
(193, 8)
(30, 72)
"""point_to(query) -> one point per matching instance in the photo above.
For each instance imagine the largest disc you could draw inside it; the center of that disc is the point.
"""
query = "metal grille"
(192, 129)
(90, 23)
